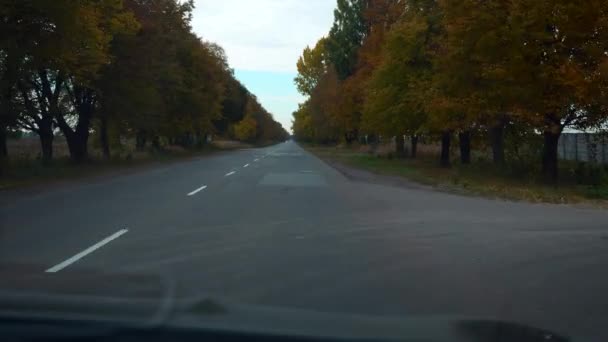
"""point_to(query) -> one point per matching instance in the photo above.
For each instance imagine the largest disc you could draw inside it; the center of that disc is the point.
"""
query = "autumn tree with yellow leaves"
(131, 66)
(467, 69)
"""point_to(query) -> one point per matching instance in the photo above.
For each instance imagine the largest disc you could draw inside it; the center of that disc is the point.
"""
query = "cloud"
(263, 35)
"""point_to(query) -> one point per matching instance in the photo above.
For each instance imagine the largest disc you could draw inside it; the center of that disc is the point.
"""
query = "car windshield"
(402, 159)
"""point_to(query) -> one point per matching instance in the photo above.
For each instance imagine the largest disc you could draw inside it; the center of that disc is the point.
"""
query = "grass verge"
(24, 172)
(481, 178)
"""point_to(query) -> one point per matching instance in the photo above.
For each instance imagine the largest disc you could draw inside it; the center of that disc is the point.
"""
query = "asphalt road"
(278, 227)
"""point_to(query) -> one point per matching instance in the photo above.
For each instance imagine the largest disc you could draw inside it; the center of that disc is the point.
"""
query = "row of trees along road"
(466, 68)
(132, 68)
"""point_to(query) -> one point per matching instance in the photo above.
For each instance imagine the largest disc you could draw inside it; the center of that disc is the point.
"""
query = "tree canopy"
(132, 66)
(434, 68)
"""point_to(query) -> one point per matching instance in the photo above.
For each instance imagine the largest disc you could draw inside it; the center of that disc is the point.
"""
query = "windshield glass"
(381, 158)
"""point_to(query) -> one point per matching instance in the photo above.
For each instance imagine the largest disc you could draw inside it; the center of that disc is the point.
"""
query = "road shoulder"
(105, 172)
(349, 164)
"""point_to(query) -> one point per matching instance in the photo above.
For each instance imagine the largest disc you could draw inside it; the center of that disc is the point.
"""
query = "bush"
(14, 134)
(598, 192)
(588, 174)
(598, 176)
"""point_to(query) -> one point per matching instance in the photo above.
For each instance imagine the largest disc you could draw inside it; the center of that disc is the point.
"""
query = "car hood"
(137, 300)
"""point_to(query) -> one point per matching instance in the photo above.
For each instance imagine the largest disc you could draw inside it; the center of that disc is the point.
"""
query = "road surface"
(278, 227)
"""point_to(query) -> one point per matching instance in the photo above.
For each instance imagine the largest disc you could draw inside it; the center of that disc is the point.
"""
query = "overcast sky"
(263, 40)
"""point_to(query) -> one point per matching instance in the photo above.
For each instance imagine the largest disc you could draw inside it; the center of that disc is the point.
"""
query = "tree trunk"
(3, 145)
(78, 145)
(77, 139)
(550, 157)
(414, 140)
(201, 140)
(465, 147)
(347, 138)
(399, 146)
(3, 148)
(3, 151)
(140, 141)
(45, 133)
(46, 144)
(156, 142)
(446, 138)
(103, 137)
(84, 101)
(497, 137)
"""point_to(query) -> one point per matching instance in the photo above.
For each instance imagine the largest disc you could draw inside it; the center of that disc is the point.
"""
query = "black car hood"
(149, 302)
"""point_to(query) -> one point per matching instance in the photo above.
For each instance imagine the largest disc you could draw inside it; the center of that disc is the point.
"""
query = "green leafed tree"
(346, 36)
(396, 104)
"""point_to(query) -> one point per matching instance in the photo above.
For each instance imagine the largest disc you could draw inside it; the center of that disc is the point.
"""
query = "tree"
(258, 126)
(312, 65)
(396, 104)
(562, 47)
(335, 73)
(246, 129)
(184, 90)
(324, 106)
(135, 67)
(200, 91)
(477, 50)
(12, 45)
(233, 106)
(332, 98)
(23, 25)
(70, 43)
(465, 67)
(302, 126)
(378, 16)
(346, 36)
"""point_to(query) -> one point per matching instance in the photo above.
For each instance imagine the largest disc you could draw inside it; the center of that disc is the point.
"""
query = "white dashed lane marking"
(197, 190)
(87, 251)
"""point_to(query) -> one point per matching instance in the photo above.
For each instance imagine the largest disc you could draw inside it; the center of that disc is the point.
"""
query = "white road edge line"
(246, 165)
(197, 190)
(87, 251)
(230, 174)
